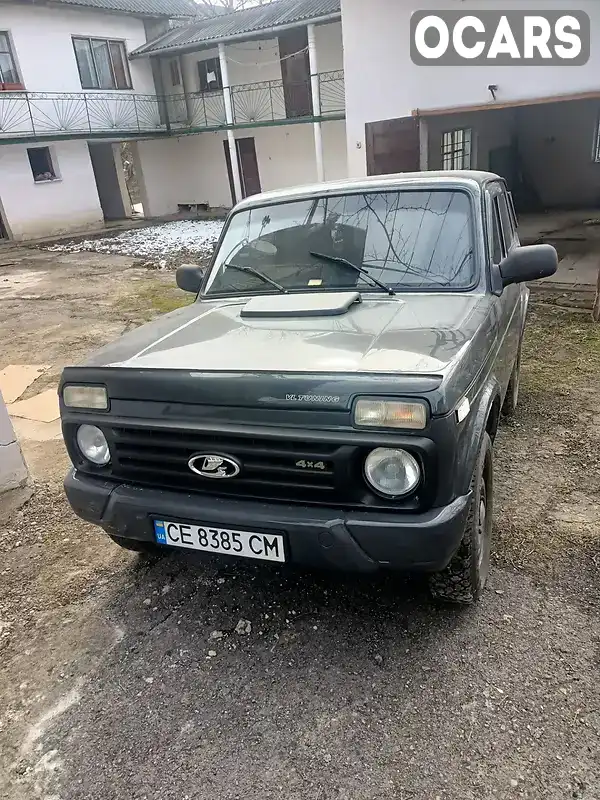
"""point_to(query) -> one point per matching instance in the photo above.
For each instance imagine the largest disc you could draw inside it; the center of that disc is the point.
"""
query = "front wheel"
(465, 577)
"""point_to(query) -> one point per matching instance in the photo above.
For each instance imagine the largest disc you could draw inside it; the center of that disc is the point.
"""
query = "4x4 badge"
(214, 466)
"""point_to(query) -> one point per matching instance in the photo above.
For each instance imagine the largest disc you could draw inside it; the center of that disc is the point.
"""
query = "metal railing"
(44, 114)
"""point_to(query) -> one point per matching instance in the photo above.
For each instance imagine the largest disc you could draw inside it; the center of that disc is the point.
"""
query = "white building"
(537, 126)
(286, 93)
(67, 90)
(78, 76)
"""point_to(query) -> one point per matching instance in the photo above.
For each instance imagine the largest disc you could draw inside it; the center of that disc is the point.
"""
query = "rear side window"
(497, 241)
(508, 226)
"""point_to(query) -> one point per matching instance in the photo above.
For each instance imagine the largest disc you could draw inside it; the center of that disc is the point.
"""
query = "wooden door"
(393, 146)
(295, 73)
(248, 166)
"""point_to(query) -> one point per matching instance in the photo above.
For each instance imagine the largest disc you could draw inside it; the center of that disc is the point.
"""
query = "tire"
(512, 393)
(145, 548)
(464, 578)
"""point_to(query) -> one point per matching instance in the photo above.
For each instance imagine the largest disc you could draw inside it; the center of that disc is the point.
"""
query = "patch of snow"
(158, 244)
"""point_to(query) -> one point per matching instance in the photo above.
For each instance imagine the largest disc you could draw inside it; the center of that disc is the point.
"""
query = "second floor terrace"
(279, 64)
(27, 116)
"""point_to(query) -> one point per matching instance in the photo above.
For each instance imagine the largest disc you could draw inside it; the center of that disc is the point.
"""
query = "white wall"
(46, 209)
(383, 83)
(42, 43)
(193, 168)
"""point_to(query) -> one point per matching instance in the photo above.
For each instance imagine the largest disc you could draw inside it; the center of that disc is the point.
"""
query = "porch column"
(235, 166)
(316, 100)
(189, 112)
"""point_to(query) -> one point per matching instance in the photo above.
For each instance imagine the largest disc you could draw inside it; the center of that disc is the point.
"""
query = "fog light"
(390, 414)
(394, 473)
(93, 445)
(86, 397)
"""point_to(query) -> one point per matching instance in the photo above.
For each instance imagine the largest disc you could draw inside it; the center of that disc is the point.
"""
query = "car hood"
(410, 333)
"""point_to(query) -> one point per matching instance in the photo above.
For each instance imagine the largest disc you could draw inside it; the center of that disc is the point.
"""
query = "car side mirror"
(189, 277)
(529, 263)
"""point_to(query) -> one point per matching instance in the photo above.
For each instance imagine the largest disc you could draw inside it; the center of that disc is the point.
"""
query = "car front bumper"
(351, 541)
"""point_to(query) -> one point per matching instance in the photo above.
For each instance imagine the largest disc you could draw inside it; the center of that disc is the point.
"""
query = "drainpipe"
(316, 100)
(423, 145)
(235, 166)
(13, 472)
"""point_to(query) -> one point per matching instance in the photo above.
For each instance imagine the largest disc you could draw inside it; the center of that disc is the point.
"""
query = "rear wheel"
(465, 577)
(147, 548)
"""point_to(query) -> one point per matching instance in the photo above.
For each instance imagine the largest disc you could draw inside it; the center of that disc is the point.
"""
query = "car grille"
(274, 469)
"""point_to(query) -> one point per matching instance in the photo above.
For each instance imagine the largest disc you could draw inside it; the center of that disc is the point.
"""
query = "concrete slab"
(41, 408)
(29, 430)
(15, 378)
(576, 269)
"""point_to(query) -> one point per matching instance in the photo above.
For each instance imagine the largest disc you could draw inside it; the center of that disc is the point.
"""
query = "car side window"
(508, 226)
(497, 242)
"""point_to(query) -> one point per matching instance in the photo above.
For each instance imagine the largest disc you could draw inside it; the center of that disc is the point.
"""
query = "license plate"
(264, 546)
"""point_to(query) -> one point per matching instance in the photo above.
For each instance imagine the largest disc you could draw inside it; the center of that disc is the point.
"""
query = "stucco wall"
(252, 62)
(383, 83)
(13, 471)
(41, 39)
(45, 209)
(193, 168)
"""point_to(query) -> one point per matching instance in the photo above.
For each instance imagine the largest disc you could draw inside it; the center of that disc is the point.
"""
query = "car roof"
(450, 179)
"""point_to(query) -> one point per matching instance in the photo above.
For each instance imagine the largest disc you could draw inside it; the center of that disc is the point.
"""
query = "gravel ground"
(161, 246)
(130, 678)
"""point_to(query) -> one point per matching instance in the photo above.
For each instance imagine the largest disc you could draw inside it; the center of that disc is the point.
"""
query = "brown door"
(248, 166)
(393, 146)
(295, 73)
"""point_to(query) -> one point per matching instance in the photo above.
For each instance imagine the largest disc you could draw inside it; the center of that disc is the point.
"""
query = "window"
(508, 227)
(41, 164)
(410, 240)
(102, 63)
(497, 241)
(9, 77)
(209, 75)
(175, 73)
(456, 149)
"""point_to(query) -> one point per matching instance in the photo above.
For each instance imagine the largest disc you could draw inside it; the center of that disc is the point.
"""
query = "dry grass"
(548, 457)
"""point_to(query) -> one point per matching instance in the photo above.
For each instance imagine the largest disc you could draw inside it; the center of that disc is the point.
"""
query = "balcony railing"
(48, 114)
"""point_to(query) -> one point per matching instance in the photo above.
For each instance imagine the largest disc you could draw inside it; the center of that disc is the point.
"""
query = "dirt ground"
(124, 678)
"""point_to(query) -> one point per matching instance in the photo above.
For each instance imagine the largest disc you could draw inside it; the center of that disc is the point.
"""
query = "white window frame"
(596, 156)
(122, 44)
(457, 148)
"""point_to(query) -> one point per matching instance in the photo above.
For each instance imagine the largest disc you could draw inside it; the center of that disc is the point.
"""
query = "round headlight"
(393, 473)
(93, 445)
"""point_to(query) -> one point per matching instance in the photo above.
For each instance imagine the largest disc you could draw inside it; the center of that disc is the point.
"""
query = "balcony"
(50, 115)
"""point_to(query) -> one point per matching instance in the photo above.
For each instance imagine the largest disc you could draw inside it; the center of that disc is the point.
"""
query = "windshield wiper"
(264, 278)
(346, 263)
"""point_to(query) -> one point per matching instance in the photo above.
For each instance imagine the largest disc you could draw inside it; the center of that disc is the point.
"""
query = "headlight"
(390, 414)
(86, 397)
(394, 473)
(93, 445)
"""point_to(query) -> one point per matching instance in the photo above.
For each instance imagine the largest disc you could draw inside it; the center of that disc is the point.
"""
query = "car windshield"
(404, 240)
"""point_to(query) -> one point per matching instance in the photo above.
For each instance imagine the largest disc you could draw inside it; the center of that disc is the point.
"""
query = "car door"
(510, 304)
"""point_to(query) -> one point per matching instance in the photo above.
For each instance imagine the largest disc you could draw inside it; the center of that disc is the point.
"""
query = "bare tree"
(216, 7)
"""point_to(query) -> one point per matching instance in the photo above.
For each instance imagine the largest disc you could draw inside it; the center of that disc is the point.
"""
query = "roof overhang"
(264, 33)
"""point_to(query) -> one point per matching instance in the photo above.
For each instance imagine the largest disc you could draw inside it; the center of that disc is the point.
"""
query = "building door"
(248, 166)
(393, 146)
(295, 73)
